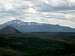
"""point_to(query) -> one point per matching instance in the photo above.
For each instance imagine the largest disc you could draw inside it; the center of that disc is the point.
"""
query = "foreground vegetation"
(30, 45)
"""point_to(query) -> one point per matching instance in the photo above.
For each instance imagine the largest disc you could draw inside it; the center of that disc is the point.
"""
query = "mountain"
(36, 27)
(9, 29)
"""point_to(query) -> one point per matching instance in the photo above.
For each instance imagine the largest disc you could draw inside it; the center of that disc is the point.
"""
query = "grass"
(31, 45)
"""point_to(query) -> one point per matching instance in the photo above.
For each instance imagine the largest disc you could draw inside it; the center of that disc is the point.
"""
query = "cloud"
(38, 11)
(54, 5)
(65, 22)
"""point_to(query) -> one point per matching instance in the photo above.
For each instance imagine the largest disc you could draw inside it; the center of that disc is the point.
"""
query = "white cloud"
(6, 4)
(47, 11)
(71, 2)
(65, 22)
(57, 3)
(70, 17)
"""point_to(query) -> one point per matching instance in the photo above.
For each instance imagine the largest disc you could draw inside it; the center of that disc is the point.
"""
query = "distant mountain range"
(20, 26)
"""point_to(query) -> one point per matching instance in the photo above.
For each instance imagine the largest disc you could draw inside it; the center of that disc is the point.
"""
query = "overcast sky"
(60, 12)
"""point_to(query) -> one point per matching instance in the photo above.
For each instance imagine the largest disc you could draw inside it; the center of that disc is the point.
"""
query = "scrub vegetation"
(32, 45)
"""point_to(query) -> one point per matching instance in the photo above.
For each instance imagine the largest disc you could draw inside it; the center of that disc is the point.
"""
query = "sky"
(57, 12)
